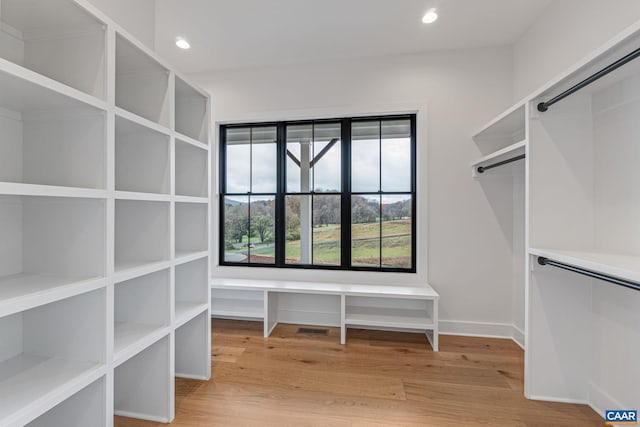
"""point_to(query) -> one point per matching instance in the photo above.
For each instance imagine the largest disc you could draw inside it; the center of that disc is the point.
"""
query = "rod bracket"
(542, 107)
(542, 260)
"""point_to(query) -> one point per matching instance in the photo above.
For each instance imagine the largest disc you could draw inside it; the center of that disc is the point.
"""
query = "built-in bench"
(410, 308)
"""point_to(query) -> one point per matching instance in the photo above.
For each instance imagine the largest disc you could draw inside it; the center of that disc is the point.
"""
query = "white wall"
(137, 16)
(456, 92)
(565, 32)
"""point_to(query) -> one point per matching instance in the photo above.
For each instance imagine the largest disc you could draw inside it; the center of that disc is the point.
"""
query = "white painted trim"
(476, 329)
(599, 399)
(558, 400)
(140, 416)
(518, 336)
(418, 107)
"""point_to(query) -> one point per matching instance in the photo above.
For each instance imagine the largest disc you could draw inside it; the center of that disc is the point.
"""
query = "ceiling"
(230, 34)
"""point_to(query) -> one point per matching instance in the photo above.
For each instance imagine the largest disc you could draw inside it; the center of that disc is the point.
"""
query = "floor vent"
(312, 331)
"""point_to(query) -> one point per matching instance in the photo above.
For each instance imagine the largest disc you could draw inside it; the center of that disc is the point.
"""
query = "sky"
(326, 173)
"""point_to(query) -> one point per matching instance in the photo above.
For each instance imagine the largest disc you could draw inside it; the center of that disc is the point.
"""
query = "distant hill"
(230, 202)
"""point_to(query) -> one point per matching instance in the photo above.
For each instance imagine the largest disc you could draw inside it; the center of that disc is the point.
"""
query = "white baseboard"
(139, 416)
(558, 400)
(518, 336)
(600, 401)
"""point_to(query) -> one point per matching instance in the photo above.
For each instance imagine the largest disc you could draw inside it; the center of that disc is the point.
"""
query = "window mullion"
(281, 210)
(345, 205)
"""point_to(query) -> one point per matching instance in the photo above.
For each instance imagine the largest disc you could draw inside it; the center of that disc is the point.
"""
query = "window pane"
(397, 224)
(298, 153)
(238, 160)
(365, 156)
(365, 231)
(264, 160)
(236, 229)
(262, 213)
(292, 230)
(326, 230)
(396, 155)
(327, 158)
(312, 227)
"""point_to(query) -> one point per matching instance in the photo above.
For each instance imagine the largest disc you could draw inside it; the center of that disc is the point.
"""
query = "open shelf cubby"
(389, 312)
(51, 248)
(48, 138)
(55, 38)
(191, 287)
(141, 313)
(192, 335)
(141, 233)
(85, 408)
(191, 170)
(144, 384)
(238, 304)
(142, 158)
(191, 109)
(48, 353)
(191, 228)
(142, 84)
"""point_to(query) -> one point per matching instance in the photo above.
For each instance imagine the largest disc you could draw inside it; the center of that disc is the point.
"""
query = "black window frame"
(345, 194)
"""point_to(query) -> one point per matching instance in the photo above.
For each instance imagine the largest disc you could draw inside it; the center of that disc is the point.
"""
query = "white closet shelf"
(30, 385)
(191, 199)
(186, 311)
(23, 87)
(121, 112)
(20, 189)
(132, 269)
(387, 317)
(237, 307)
(508, 124)
(132, 338)
(24, 291)
(191, 141)
(187, 256)
(517, 149)
(146, 197)
(621, 266)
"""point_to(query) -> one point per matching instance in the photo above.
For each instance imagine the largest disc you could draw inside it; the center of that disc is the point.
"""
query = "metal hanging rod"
(481, 169)
(605, 277)
(544, 106)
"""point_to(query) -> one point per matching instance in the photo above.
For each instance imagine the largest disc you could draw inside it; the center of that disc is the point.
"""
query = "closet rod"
(544, 106)
(606, 278)
(481, 169)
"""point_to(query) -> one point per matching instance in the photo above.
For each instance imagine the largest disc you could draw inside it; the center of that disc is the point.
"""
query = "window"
(329, 194)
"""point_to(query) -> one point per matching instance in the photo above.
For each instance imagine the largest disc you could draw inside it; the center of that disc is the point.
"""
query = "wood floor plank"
(379, 379)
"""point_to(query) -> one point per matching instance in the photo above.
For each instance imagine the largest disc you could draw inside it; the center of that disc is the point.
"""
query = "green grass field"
(396, 245)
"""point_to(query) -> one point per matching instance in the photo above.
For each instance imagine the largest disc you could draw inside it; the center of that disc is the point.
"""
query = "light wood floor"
(378, 379)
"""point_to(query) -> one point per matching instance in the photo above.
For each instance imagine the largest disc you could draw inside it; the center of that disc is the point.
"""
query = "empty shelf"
(24, 291)
(390, 317)
(31, 384)
(186, 311)
(131, 338)
(227, 307)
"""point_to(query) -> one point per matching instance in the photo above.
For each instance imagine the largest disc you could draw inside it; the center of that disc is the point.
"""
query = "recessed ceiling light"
(430, 17)
(182, 43)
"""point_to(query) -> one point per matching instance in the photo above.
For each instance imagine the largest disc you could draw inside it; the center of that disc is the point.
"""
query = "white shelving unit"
(584, 207)
(503, 139)
(191, 169)
(103, 178)
(408, 308)
(192, 112)
(50, 352)
(142, 82)
(142, 159)
(192, 235)
(581, 208)
(56, 39)
(141, 233)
